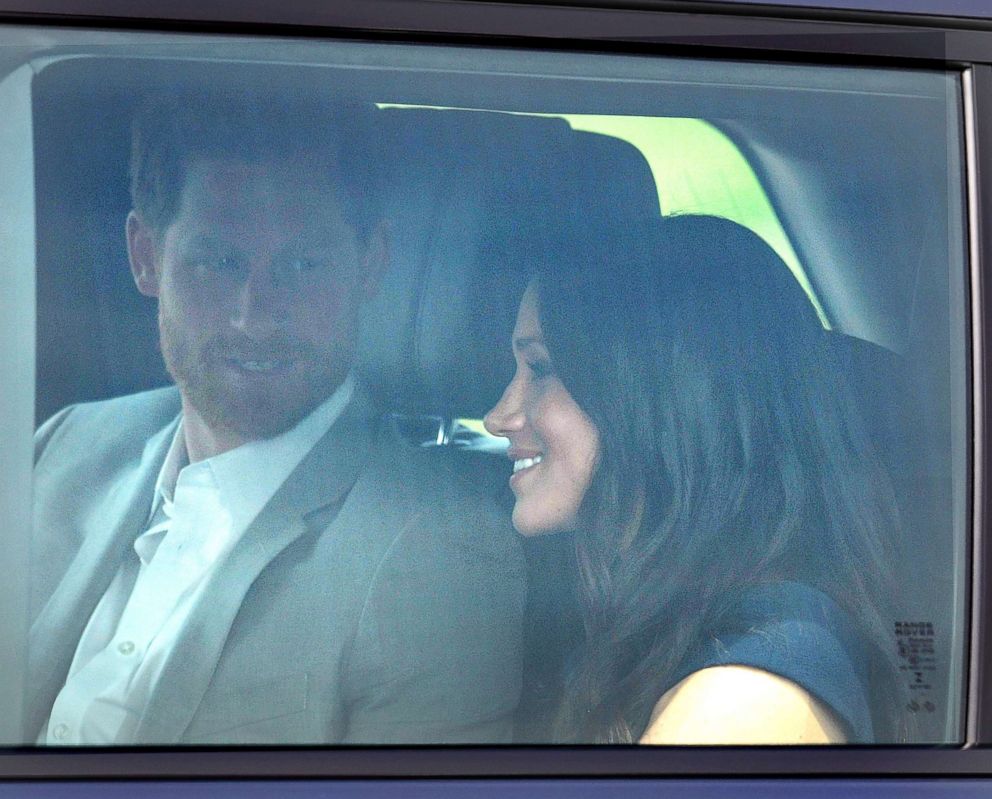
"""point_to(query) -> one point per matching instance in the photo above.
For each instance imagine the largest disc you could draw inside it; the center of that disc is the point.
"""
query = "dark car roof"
(954, 8)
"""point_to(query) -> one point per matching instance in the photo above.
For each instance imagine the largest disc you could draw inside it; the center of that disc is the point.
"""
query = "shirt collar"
(249, 475)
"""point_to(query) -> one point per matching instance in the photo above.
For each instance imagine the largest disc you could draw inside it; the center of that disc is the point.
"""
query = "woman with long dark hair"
(678, 405)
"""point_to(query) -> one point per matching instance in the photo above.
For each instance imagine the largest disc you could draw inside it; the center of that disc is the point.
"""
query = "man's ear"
(141, 253)
(376, 259)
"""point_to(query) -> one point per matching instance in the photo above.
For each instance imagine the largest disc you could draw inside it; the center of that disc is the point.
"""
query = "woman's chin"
(531, 524)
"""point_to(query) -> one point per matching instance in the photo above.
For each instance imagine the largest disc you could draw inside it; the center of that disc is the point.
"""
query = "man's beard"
(263, 410)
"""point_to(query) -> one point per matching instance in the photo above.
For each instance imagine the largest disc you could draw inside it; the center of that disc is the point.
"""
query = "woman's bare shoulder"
(740, 705)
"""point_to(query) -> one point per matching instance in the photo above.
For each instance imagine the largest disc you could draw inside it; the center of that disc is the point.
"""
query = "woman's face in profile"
(553, 444)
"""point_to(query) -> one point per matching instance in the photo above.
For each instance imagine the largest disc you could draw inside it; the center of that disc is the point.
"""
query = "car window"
(523, 397)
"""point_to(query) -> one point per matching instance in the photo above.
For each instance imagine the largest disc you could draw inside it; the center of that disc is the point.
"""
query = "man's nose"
(507, 415)
(261, 305)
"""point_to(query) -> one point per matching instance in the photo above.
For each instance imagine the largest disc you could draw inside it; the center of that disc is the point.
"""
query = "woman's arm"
(740, 705)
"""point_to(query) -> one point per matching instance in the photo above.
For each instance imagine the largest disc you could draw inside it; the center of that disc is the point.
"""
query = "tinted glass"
(522, 397)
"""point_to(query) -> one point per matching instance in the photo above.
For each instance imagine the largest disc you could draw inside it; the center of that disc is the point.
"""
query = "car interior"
(875, 221)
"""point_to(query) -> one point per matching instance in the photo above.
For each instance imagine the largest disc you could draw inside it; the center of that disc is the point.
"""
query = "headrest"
(468, 193)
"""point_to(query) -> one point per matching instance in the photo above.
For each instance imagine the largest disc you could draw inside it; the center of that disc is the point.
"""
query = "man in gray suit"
(241, 559)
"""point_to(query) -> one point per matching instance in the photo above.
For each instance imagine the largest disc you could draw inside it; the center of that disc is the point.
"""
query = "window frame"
(676, 28)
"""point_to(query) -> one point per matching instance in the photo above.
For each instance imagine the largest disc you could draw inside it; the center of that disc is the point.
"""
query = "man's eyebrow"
(208, 240)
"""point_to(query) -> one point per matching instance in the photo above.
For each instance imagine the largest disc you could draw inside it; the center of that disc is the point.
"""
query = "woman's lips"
(526, 463)
(523, 464)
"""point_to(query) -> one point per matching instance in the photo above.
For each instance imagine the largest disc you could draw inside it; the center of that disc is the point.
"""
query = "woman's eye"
(540, 368)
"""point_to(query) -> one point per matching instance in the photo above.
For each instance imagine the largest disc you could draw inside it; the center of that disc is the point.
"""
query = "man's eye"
(225, 263)
(303, 265)
(216, 264)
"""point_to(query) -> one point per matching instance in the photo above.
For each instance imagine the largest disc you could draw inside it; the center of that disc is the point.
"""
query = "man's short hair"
(174, 128)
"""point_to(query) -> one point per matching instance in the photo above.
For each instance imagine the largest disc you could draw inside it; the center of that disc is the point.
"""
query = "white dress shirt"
(198, 513)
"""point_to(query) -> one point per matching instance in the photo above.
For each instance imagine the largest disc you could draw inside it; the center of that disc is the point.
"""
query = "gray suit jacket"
(377, 598)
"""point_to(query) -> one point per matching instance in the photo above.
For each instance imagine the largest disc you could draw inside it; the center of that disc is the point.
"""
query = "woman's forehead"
(528, 327)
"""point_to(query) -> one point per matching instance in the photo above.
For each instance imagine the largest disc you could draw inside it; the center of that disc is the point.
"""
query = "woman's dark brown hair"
(733, 455)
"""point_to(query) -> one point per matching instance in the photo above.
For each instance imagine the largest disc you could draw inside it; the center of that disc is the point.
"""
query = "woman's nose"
(506, 416)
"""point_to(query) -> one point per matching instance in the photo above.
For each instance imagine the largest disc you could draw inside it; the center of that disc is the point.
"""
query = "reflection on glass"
(265, 508)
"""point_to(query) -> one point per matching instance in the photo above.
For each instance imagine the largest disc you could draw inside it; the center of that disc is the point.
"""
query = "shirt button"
(125, 647)
(61, 732)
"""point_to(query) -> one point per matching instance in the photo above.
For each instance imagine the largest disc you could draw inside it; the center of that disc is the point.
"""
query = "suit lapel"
(305, 502)
(107, 532)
